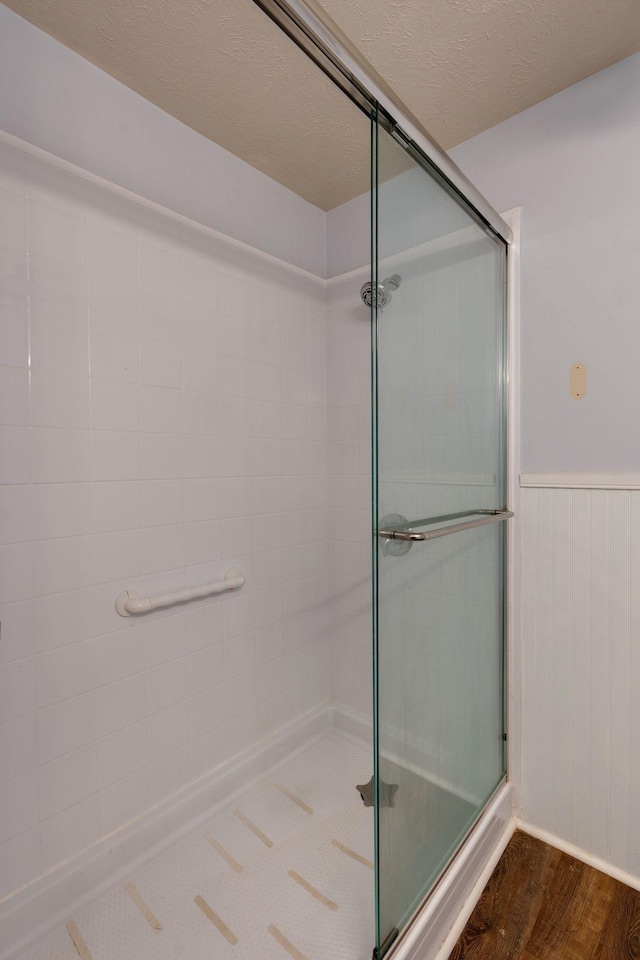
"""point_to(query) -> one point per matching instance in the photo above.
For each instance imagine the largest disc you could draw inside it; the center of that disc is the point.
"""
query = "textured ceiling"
(462, 66)
(221, 67)
(224, 69)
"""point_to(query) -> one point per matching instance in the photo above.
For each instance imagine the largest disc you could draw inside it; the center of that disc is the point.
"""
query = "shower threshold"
(286, 870)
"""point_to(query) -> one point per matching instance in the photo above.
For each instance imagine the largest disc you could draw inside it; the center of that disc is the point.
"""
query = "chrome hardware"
(404, 532)
(393, 546)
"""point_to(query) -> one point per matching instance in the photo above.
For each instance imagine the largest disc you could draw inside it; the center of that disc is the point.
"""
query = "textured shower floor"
(285, 871)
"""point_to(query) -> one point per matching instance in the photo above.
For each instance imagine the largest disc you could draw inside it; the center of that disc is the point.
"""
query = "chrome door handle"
(410, 535)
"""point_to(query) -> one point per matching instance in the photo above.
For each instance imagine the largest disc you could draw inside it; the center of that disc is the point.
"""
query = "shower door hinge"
(504, 736)
(385, 946)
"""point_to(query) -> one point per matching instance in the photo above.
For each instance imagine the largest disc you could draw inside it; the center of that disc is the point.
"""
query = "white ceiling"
(223, 68)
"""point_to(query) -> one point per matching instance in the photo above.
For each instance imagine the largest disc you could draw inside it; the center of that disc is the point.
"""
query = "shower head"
(382, 295)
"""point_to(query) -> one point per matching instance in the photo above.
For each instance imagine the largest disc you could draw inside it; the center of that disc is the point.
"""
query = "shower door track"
(310, 28)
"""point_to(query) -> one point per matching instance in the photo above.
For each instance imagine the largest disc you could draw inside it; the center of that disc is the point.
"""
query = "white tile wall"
(163, 417)
(349, 413)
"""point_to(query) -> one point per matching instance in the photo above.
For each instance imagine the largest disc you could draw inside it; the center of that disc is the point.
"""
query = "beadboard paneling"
(581, 668)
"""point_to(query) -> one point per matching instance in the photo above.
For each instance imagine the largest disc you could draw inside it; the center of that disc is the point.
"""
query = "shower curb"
(436, 927)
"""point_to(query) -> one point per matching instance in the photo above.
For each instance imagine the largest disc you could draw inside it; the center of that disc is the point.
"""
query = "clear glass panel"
(439, 362)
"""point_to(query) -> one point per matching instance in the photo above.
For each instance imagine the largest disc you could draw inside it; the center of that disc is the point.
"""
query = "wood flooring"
(542, 904)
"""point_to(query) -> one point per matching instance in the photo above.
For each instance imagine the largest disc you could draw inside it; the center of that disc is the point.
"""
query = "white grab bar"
(130, 602)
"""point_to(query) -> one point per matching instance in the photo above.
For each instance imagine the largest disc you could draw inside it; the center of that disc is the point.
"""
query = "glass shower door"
(439, 503)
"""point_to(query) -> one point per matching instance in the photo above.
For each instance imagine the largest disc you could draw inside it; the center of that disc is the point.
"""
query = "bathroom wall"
(412, 209)
(53, 98)
(571, 163)
(581, 663)
(162, 418)
(349, 426)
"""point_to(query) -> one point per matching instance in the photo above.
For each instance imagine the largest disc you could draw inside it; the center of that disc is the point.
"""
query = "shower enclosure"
(438, 473)
(292, 767)
(438, 298)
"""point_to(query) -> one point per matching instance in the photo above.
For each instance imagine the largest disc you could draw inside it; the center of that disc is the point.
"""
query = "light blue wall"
(573, 163)
(56, 100)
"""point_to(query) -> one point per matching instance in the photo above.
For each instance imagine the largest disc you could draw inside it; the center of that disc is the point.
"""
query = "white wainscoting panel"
(581, 667)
